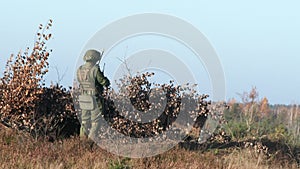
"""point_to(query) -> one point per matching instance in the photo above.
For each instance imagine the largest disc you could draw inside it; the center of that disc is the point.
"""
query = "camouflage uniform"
(92, 82)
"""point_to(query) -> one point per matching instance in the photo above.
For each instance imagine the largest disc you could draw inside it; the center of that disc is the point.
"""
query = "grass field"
(18, 150)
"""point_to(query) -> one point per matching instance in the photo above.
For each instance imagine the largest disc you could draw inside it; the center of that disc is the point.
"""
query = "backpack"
(87, 98)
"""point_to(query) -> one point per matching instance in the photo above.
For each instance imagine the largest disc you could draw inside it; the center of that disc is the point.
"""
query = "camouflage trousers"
(90, 122)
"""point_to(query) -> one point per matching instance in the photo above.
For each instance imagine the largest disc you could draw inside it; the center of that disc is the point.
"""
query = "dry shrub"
(125, 109)
(137, 90)
(26, 104)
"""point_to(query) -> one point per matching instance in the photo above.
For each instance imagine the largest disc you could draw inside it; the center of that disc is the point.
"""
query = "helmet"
(92, 55)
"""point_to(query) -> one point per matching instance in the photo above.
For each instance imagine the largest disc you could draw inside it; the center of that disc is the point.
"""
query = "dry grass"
(18, 150)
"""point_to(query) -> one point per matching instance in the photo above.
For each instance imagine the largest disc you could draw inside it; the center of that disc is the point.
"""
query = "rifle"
(103, 68)
(101, 54)
(98, 62)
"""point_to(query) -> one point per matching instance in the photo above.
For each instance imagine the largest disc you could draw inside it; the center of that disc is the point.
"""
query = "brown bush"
(26, 104)
(138, 90)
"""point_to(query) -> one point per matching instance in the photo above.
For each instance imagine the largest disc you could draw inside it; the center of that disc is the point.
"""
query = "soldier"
(92, 82)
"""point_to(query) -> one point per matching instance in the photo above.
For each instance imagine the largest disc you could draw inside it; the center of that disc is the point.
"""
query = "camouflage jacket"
(91, 79)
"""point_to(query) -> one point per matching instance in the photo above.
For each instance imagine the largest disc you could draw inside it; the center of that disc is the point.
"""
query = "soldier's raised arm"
(102, 80)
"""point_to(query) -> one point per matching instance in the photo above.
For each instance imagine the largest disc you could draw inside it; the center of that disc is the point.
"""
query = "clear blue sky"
(258, 42)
